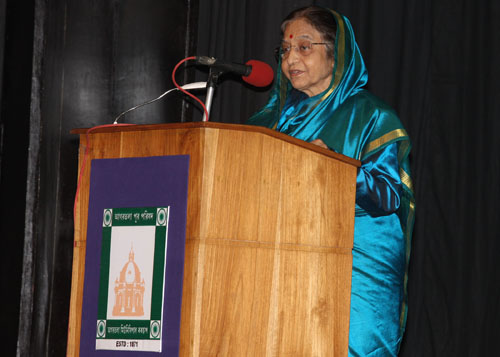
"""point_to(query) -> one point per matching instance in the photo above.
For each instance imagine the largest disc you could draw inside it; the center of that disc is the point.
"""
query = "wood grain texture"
(268, 244)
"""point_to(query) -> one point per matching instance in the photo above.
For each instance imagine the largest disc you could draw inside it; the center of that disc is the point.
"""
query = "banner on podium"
(132, 279)
(135, 256)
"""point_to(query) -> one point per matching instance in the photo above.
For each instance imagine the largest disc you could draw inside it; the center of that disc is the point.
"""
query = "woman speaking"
(319, 97)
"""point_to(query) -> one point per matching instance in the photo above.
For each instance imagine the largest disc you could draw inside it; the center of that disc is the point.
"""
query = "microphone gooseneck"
(254, 72)
(224, 66)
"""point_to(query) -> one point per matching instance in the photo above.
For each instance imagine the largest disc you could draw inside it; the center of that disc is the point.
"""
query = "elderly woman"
(318, 97)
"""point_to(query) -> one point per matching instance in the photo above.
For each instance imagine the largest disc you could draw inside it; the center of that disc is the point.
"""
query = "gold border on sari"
(406, 179)
(392, 135)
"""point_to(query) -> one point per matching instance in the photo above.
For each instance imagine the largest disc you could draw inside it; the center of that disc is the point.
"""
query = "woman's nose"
(293, 55)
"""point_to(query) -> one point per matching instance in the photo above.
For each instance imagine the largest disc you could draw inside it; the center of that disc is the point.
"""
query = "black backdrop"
(435, 62)
(68, 64)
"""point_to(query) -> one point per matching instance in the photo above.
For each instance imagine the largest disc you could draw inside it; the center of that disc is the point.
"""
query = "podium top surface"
(219, 126)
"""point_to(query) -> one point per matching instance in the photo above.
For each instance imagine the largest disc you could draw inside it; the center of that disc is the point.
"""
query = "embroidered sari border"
(384, 139)
(406, 179)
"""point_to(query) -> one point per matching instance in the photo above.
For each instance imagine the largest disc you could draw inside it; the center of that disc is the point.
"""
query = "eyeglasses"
(305, 48)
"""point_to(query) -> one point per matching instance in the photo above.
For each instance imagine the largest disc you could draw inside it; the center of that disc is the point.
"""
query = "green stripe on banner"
(104, 278)
(158, 273)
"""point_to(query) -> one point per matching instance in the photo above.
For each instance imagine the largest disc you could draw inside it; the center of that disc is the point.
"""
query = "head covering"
(303, 117)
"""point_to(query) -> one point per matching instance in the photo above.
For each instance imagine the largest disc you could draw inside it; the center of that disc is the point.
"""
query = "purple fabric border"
(137, 182)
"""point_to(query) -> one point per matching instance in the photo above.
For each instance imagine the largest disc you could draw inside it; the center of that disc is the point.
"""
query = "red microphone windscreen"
(262, 74)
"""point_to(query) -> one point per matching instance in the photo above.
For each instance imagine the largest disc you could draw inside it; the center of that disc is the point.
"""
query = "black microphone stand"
(213, 79)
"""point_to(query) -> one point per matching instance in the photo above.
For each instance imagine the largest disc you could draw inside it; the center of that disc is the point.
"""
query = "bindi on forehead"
(304, 37)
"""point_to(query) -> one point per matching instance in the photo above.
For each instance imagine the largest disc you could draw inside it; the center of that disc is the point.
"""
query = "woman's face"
(310, 74)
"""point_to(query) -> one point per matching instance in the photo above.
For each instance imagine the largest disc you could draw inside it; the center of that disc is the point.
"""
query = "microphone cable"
(141, 105)
(185, 91)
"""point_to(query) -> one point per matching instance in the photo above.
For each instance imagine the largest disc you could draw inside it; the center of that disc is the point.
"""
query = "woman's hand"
(320, 143)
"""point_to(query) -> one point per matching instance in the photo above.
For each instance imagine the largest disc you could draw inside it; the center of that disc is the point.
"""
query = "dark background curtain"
(68, 63)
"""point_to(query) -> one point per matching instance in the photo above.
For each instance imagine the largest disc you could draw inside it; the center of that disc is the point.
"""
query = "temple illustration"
(129, 290)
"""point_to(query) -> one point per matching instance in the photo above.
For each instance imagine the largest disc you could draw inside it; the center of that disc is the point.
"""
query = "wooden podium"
(269, 235)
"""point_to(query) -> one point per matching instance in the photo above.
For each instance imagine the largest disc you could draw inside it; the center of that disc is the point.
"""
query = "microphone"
(256, 73)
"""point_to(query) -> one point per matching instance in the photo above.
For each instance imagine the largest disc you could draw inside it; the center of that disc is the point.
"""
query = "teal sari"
(355, 123)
